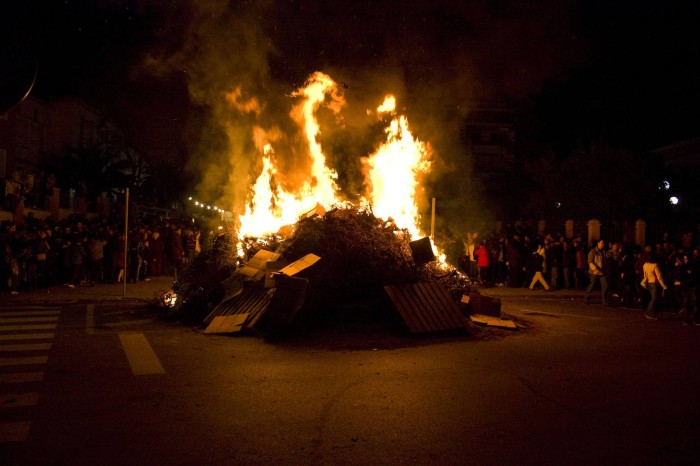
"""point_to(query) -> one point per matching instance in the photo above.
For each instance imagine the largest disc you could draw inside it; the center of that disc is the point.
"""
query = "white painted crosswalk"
(25, 342)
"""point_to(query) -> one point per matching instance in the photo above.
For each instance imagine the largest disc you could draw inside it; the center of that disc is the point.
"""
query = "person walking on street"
(652, 281)
(537, 259)
(596, 262)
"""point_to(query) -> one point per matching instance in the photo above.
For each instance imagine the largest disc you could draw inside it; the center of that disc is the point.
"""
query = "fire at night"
(392, 174)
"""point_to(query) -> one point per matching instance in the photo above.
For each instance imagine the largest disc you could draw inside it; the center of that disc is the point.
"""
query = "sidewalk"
(538, 293)
(142, 291)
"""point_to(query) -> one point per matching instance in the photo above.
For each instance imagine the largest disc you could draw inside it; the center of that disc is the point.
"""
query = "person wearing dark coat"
(157, 254)
(177, 251)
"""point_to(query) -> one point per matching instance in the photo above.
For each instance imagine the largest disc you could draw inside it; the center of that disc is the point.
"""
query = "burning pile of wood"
(358, 251)
(328, 264)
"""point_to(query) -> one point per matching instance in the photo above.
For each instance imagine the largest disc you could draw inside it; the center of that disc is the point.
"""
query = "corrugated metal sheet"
(227, 324)
(252, 300)
(426, 307)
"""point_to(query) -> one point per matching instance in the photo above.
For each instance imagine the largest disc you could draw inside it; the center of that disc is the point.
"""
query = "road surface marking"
(24, 361)
(19, 400)
(14, 431)
(20, 377)
(7, 328)
(17, 320)
(142, 358)
(26, 347)
(29, 313)
(27, 336)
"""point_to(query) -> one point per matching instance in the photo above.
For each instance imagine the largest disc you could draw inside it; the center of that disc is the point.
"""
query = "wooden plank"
(426, 307)
(445, 308)
(301, 264)
(439, 306)
(493, 321)
(450, 310)
(414, 308)
(255, 267)
(261, 258)
(397, 300)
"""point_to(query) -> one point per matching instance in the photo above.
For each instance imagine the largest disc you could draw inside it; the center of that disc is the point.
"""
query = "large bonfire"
(364, 244)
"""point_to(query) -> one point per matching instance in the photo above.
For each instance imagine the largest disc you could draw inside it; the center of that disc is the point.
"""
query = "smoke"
(244, 60)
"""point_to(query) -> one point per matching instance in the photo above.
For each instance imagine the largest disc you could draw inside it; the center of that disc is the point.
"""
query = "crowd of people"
(37, 253)
(30, 190)
(627, 275)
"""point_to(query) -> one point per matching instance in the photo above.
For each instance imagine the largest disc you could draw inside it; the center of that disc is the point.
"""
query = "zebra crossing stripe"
(17, 320)
(142, 358)
(26, 347)
(29, 313)
(19, 400)
(32, 324)
(21, 377)
(8, 328)
(26, 360)
(14, 431)
(27, 336)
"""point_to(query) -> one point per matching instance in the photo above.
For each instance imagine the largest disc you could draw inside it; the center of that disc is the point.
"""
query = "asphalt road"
(578, 384)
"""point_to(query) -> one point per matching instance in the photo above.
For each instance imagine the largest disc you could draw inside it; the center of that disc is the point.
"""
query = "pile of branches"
(198, 286)
(360, 254)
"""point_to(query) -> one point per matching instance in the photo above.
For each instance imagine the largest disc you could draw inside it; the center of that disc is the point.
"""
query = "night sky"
(625, 71)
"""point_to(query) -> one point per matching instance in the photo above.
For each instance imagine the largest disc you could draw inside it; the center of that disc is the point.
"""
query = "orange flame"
(392, 173)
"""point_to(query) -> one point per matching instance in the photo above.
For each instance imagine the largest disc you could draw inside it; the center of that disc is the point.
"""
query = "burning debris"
(332, 268)
(339, 262)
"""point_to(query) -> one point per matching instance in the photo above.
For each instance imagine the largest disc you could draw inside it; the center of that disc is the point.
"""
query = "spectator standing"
(514, 262)
(96, 253)
(555, 254)
(167, 235)
(77, 259)
(190, 243)
(471, 247)
(628, 276)
(501, 255)
(612, 269)
(177, 251)
(692, 278)
(568, 255)
(483, 261)
(10, 270)
(157, 254)
(118, 258)
(681, 277)
(134, 259)
(42, 250)
(581, 265)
